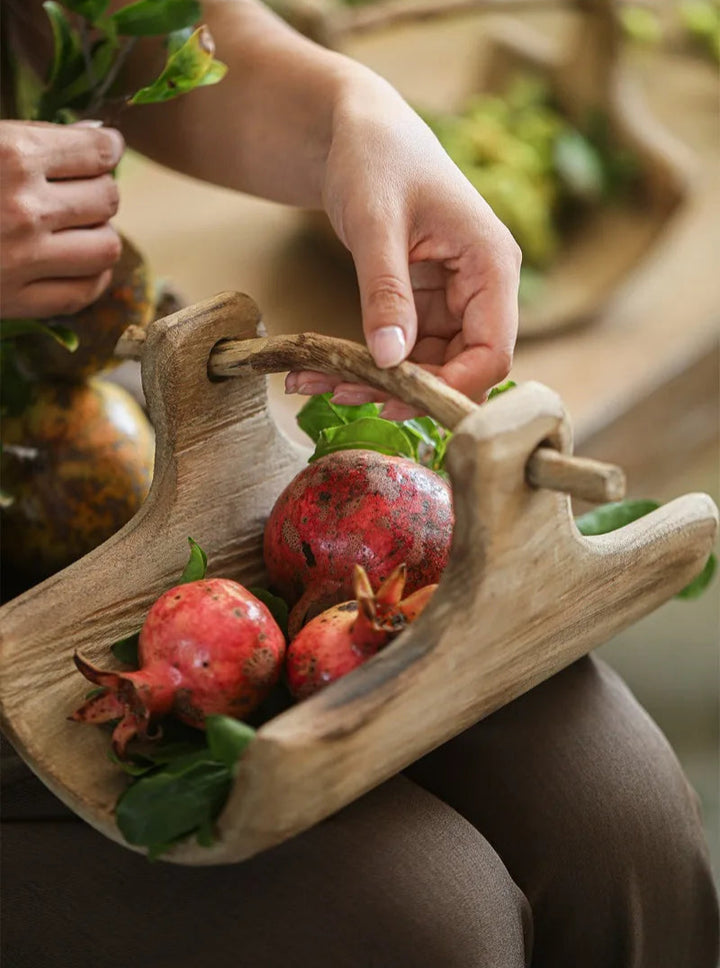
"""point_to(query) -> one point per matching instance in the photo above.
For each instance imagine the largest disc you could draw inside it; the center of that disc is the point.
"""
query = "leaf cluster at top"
(90, 47)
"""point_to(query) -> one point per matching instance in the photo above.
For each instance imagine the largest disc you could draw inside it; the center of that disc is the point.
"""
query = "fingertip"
(388, 346)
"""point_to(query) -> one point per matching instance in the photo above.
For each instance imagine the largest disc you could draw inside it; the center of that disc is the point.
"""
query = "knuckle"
(503, 360)
(83, 293)
(387, 295)
(108, 149)
(111, 200)
(110, 248)
(509, 252)
(21, 215)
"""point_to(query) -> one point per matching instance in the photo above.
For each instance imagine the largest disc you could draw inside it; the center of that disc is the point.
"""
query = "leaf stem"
(111, 77)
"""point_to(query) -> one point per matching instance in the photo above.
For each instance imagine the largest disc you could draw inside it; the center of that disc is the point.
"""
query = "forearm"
(266, 128)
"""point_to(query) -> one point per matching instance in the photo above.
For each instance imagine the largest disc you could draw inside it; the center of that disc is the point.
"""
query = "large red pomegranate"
(356, 507)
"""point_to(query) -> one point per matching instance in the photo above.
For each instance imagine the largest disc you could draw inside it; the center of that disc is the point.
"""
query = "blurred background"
(593, 131)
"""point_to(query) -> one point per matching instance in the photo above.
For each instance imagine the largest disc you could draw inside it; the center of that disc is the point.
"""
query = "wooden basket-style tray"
(584, 74)
(524, 593)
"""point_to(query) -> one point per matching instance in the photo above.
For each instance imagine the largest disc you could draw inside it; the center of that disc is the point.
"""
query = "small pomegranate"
(346, 635)
(208, 646)
(355, 506)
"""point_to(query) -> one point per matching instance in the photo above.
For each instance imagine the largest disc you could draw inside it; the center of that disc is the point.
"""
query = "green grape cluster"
(529, 162)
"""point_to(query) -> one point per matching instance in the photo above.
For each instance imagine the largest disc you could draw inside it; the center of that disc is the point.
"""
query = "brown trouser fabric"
(559, 832)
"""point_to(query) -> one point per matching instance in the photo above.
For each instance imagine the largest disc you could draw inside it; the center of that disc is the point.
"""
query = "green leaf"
(369, 433)
(77, 94)
(501, 388)
(185, 70)
(698, 585)
(16, 391)
(90, 10)
(610, 517)
(432, 440)
(205, 834)
(177, 38)
(196, 567)
(12, 328)
(159, 808)
(320, 414)
(126, 650)
(277, 607)
(150, 18)
(67, 59)
(227, 738)
(214, 74)
(578, 165)
(133, 767)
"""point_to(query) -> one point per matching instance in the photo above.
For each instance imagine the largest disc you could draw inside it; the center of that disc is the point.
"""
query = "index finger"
(72, 151)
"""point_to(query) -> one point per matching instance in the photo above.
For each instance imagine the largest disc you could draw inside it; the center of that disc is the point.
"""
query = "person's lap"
(572, 784)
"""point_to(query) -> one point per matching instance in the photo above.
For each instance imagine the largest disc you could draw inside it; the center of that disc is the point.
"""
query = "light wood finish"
(523, 595)
(587, 480)
(584, 73)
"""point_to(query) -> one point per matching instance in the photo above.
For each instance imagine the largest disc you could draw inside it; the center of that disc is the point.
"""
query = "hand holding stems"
(57, 247)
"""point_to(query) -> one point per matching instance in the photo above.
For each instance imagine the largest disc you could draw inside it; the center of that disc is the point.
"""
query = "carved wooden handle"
(585, 479)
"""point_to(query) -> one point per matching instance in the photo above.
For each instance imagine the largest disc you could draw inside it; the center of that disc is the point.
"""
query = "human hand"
(57, 247)
(438, 272)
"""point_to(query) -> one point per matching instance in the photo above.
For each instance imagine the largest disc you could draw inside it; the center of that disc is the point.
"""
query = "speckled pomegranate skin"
(207, 647)
(217, 643)
(356, 507)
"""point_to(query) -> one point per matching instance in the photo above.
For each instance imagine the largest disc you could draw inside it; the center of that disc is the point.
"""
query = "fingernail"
(313, 389)
(291, 381)
(388, 346)
(87, 123)
(397, 412)
(349, 398)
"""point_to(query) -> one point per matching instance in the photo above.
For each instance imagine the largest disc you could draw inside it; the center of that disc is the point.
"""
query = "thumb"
(386, 298)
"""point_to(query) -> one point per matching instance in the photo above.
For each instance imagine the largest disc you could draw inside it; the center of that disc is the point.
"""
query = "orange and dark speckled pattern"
(356, 507)
(78, 463)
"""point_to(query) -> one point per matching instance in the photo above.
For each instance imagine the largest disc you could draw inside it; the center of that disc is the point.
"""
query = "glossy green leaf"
(185, 70)
(150, 18)
(196, 568)
(67, 60)
(90, 10)
(126, 650)
(431, 440)
(227, 738)
(369, 433)
(277, 607)
(162, 807)
(698, 585)
(319, 414)
(12, 328)
(610, 517)
(501, 388)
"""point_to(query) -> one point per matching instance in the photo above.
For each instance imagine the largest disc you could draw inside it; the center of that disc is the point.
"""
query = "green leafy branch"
(90, 48)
